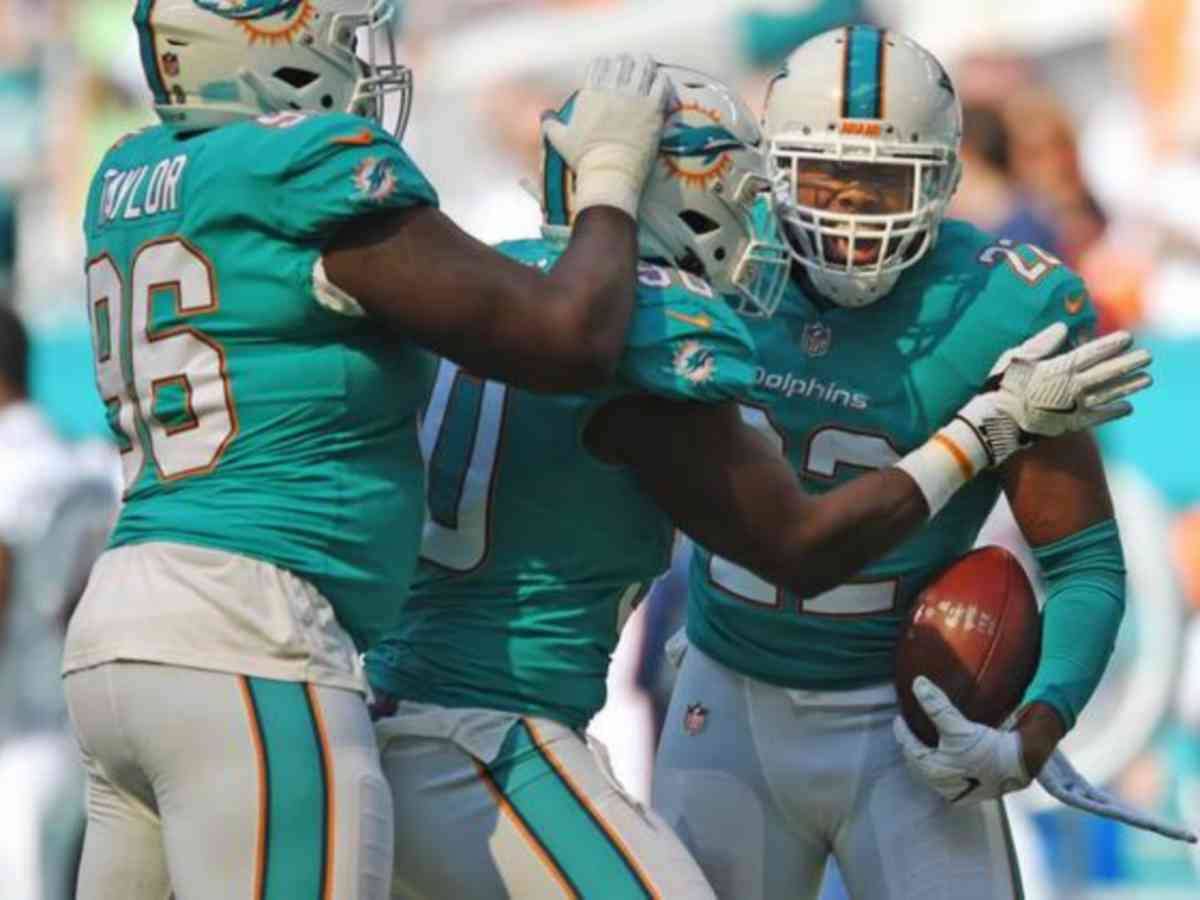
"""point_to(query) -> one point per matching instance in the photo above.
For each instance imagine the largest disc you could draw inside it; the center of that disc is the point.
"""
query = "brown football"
(975, 631)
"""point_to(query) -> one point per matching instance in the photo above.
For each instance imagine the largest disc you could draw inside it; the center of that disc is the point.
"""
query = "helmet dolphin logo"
(250, 9)
(709, 142)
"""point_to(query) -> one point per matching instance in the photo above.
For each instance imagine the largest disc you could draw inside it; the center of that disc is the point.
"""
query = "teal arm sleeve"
(1085, 600)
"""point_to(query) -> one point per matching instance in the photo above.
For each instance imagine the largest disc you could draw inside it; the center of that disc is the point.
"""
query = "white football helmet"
(209, 62)
(863, 95)
(698, 206)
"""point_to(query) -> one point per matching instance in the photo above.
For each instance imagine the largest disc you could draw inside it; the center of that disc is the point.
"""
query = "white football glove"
(1032, 393)
(612, 139)
(1062, 782)
(971, 762)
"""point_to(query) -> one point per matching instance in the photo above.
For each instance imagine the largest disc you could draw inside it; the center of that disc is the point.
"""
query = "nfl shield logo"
(694, 718)
(816, 339)
(170, 65)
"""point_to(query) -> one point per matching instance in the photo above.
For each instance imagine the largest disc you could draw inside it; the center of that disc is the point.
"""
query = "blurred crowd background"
(1082, 135)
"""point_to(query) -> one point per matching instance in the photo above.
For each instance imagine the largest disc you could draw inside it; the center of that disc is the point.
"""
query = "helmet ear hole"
(697, 222)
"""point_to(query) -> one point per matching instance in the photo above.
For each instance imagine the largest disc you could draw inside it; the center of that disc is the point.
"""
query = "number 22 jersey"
(856, 389)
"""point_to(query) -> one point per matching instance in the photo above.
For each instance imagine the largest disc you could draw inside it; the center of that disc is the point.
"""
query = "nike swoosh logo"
(699, 321)
(364, 138)
(1074, 304)
(972, 783)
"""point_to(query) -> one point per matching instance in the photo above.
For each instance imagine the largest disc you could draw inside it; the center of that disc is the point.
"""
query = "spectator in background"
(54, 519)
(988, 197)
(1044, 162)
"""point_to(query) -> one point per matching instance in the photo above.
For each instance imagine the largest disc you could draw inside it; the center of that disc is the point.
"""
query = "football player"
(261, 270)
(778, 750)
(549, 517)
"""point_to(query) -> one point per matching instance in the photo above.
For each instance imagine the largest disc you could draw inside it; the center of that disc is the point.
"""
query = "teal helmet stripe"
(554, 175)
(862, 87)
(141, 20)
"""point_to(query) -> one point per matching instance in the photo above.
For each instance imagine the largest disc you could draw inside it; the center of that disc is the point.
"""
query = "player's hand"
(612, 139)
(1031, 393)
(1062, 782)
(1073, 391)
(971, 762)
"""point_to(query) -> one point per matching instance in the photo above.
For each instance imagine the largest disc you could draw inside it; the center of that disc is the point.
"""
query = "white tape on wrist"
(944, 463)
(608, 177)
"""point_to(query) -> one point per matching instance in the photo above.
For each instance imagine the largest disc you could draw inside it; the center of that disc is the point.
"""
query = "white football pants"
(764, 784)
(208, 785)
(492, 805)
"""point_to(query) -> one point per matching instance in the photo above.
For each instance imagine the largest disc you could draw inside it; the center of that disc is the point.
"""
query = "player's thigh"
(544, 818)
(905, 841)
(123, 856)
(711, 787)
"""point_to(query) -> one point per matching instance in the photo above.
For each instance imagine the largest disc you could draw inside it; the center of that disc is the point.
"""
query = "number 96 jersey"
(254, 415)
(855, 389)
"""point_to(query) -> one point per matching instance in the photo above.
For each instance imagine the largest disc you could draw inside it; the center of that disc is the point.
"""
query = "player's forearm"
(1085, 585)
(419, 274)
(593, 286)
(833, 537)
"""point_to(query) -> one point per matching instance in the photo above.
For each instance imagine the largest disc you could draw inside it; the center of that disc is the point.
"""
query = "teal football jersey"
(534, 550)
(251, 418)
(856, 389)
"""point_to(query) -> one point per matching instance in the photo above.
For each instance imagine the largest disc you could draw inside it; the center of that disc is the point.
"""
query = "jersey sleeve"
(685, 343)
(1067, 300)
(338, 167)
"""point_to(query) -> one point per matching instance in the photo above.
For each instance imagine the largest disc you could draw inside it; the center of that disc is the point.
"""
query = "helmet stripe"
(554, 175)
(142, 14)
(862, 94)
(554, 190)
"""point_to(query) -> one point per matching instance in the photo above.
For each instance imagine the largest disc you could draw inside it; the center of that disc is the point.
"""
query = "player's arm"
(724, 485)
(414, 270)
(1059, 496)
(728, 489)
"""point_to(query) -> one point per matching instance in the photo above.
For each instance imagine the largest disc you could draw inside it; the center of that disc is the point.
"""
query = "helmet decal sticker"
(270, 21)
(695, 145)
(249, 9)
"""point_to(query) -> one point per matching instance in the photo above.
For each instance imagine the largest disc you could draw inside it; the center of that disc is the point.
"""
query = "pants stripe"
(297, 858)
(322, 735)
(540, 850)
(264, 782)
(641, 882)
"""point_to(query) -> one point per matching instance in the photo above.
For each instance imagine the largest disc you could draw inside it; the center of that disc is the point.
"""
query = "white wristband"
(944, 463)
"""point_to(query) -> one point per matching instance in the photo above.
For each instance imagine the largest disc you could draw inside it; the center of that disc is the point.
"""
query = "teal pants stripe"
(559, 817)
(1011, 850)
(862, 90)
(294, 838)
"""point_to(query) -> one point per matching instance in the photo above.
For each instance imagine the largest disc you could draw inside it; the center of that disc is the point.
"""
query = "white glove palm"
(616, 124)
(971, 762)
(1062, 782)
(1033, 393)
